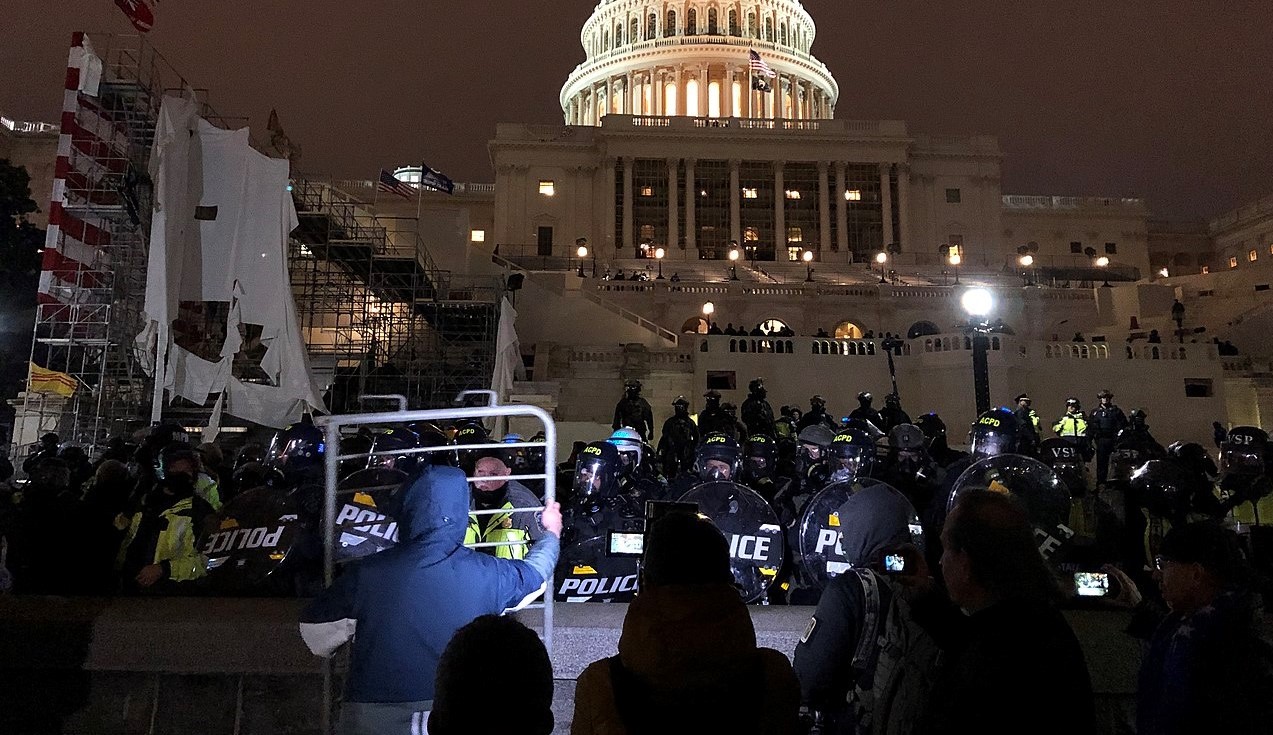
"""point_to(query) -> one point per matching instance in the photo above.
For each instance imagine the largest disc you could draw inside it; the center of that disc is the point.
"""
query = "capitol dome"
(652, 58)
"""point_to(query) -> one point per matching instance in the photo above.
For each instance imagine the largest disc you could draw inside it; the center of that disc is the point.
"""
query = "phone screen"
(626, 544)
(1091, 584)
(894, 563)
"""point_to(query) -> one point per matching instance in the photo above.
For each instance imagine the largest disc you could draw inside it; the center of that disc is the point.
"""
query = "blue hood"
(873, 519)
(432, 512)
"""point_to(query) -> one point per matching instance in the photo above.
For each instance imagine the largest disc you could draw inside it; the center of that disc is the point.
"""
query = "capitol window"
(953, 196)
(794, 234)
(647, 191)
(751, 234)
(477, 236)
(853, 195)
(793, 194)
(1233, 261)
(1251, 256)
(793, 253)
(547, 187)
(749, 193)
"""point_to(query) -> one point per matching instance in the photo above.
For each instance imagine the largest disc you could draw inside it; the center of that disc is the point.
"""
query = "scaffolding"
(372, 301)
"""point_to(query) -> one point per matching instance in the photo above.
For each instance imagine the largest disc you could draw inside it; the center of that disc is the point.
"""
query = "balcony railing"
(1018, 201)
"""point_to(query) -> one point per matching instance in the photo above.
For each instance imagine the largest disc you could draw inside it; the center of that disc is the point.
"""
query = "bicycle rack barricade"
(332, 425)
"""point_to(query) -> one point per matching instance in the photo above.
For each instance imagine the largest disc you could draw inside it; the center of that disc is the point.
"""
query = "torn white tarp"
(89, 66)
(219, 234)
(508, 359)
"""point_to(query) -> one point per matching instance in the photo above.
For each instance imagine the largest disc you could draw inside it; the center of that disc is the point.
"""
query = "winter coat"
(689, 662)
(408, 601)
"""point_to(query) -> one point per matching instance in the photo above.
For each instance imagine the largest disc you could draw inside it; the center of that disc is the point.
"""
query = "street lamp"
(978, 303)
(659, 254)
(582, 252)
(1164, 273)
(881, 258)
(955, 260)
(807, 257)
(1103, 262)
(733, 261)
(1026, 261)
(708, 309)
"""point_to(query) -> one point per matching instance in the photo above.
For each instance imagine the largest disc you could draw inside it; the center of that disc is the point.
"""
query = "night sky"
(1170, 100)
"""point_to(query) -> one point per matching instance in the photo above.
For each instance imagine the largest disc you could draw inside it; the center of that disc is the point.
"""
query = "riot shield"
(362, 527)
(756, 546)
(819, 531)
(1041, 492)
(1066, 460)
(586, 573)
(257, 542)
(1130, 454)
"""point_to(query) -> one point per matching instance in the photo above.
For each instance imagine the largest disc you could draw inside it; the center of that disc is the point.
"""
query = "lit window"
(547, 187)
(477, 236)
(1271, 250)
(793, 194)
(647, 191)
(794, 234)
(1206, 269)
(793, 254)
(750, 193)
(1251, 256)
(853, 195)
(751, 234)
(953, 196)
(1233, 261)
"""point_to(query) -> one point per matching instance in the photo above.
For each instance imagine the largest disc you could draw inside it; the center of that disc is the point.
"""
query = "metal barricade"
(331, 426)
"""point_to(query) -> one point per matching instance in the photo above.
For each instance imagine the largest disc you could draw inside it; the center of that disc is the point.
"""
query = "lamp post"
(659, 254)
(733, 261)
(582, 252)
(882, 258)
(955, 260)
(807, 257)
(978, 303)
(1026, 262)
(708, 309)
(1103, 263)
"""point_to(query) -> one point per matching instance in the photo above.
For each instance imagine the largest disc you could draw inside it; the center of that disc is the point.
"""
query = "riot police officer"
(1244, 480)
(757, 414)
(713, 419)
(892, 414)
(678, 439)
(596, 502)
(634, 411)
(1027, 416)
(851, 455)
(934, 430)
(297, 452)
(817, 415)
(639, 479)
(1073, 426)
(760, 465)
(737, 428)
(718, 458)
(864, 412)
(909, 467)
(1104, 424)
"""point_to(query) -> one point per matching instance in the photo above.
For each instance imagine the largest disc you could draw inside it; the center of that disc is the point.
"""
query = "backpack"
(894, 666)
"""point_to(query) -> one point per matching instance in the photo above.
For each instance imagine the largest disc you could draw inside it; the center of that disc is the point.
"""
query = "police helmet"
(1245, 451)
(1023, 397)
(297, 448)
(515, 457)
(892, 400)
(712, 396)
(629, 444)
(932, 426)
(392, 449)
(597, 471)
(865, 398)
(906, 437)
(1137, 415)
(681, 402)
(761, 456)
(817, 402)
(174, 453)
(756, 385)
(469, 433)
(996, 432)
(862, 425)
(1162, 488)
(1072, 402)
(1193, 457)
(252, 452)
(632, 385)
(1105, 393)
(431, 436)
(852, 455)
(718, 448)
(814, 441)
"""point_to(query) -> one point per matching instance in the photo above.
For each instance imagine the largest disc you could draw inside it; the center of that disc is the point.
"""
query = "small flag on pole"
(138, 12)
(435, 180)
(51, 382)
(760, 72)
(392, 185)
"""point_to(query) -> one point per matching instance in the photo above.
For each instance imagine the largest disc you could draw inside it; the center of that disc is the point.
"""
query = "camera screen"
(894, 563)
(1091, 584)
(626, 544)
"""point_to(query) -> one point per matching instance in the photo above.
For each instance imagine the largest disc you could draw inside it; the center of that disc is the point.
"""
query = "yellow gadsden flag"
(50, 382)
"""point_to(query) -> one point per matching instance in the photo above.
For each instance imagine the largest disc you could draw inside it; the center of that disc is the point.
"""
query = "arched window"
(634, 31)
(769, 29)
(752, 30)
(618, 34)
(713, 24)
(751, 234)
(605, 41)
(782, 33)
(733, 23)
(772, 326)
(651, 32)
(691, 22)
(647, 233)
(922, 329)
(847, 330)
(669, 28)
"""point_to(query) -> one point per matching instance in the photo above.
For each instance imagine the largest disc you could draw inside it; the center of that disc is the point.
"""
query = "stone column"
(673, 169)
(703, 82)
(735, 201)
(886, 203)
(824, 210)
(691, 197)
(780, 213)
(841, 212)
(656, 79)
(744, 78)
(606, 231)
(609, 93)
(628, 241)
(903, 205)
(629, 104)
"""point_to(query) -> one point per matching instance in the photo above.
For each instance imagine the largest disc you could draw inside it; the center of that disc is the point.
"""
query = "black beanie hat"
(684, 548)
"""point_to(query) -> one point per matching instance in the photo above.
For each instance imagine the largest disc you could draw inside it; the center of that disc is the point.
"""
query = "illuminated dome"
(691, 59)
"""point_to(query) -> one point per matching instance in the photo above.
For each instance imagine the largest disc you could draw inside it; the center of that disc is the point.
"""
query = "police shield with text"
(756, 546)
(1244, 475)
(586, 571)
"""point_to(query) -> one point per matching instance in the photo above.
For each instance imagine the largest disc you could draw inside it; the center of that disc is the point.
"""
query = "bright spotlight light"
(582, 251)
(709, 308)
(977, 302)
(1164, 273)
(733, 254)
(955, 259)
(1102, 261)
(881, 258)
(808, 256)
(660, 253)
(1027, 260)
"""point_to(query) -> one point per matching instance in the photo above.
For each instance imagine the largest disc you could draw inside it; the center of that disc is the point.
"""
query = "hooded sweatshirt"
(689, 663)
(408, 601)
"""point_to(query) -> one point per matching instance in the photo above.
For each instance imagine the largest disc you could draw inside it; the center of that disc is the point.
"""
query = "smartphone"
(623, 543)
(894, 564)
(1091, 584)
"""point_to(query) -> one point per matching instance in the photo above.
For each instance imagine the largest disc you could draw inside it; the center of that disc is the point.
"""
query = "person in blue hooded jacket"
(406, 603)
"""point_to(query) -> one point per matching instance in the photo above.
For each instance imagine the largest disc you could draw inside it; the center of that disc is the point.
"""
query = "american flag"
(392, 185)
(758, 65)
